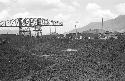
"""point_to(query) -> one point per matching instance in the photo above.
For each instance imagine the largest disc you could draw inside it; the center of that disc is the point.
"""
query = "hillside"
(117, 24)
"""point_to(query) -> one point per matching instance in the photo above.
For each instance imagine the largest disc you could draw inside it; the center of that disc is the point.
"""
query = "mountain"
(117, 24)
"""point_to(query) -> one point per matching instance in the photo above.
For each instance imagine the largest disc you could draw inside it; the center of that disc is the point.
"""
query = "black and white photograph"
(62, 40)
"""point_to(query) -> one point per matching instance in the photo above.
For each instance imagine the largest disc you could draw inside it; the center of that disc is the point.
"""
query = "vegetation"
(94, 60)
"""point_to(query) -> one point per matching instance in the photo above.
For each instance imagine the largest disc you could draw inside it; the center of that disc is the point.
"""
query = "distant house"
(53, 36)
(108, 35)
(54, 33)
(70, 36)
(102, 36)
(90, 36)
(82, 36)
(60, 36)
(94, 31)
(74, 36)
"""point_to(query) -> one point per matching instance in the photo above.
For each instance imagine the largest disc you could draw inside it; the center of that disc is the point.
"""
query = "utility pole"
(76, 29)
(55, 29)
(102, 23)
(50, 30)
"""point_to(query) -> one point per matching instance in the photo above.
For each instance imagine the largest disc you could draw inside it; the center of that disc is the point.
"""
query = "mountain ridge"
(116, 24)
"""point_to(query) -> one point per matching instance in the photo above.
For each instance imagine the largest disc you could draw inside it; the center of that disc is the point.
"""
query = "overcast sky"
(68, 11)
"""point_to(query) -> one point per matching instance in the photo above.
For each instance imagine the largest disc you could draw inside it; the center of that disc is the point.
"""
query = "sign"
(29, 22)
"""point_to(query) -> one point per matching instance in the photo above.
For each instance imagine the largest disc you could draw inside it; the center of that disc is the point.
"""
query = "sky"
(70, 12)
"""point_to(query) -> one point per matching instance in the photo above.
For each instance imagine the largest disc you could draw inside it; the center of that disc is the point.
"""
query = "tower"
(102, 23)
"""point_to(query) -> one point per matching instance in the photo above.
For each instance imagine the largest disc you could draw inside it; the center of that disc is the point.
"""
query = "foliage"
(94, 60)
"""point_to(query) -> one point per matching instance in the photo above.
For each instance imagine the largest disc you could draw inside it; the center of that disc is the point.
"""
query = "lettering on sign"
(30, 22)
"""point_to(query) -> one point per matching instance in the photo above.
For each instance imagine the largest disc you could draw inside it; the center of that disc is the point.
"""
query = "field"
(36, 59)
